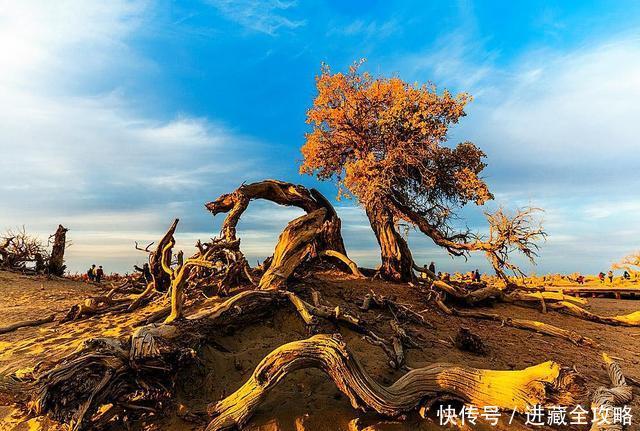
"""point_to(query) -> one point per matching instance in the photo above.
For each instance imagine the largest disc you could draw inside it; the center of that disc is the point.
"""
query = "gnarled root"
(544, 384)
(402, 311)
(604, 400)
(353, 267)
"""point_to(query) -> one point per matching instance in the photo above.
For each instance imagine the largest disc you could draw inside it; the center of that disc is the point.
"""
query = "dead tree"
(56, 264)
(309, 200)
(18, 249)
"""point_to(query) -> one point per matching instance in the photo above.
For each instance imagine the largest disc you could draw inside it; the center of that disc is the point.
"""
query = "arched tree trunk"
(56, 261)
(397, 261)
(280, 192)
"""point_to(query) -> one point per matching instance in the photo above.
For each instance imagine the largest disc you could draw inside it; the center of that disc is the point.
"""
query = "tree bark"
(56, 260)
(288, 194)
(397, 261)
(545, 383)
(294, 245)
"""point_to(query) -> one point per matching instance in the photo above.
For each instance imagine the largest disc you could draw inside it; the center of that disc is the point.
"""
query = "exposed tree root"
(402, 311)
(343, 258)
(311, 314)
(544, 384)
(26, 323)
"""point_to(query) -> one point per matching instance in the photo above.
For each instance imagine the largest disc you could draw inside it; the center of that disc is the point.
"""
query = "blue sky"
(118, 116)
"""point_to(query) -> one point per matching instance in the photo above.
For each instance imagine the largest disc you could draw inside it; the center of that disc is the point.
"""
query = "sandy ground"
(308, 400)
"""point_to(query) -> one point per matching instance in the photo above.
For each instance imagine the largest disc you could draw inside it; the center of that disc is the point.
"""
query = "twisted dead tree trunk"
(543, 384)
(295, 243)
(56, 259)
(160, 280)
(283, 193)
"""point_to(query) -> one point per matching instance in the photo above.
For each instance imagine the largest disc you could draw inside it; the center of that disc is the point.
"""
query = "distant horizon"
(258, 244)
(119, 116)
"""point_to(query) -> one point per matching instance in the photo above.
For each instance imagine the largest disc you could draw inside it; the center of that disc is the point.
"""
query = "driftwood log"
(543, 384)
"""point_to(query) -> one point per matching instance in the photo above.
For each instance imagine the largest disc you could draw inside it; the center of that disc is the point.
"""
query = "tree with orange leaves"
(382, 140)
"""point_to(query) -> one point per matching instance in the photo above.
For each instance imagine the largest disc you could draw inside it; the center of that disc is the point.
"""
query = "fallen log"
(36, 322)
(543, 384)
(530, 325)
(631, 319)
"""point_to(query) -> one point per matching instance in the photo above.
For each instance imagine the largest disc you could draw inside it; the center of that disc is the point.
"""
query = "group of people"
(609, 275)
(95, 274)
(474, 276)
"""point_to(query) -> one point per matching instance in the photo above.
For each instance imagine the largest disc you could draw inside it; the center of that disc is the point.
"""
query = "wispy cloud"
(261, 16)
(366, 28)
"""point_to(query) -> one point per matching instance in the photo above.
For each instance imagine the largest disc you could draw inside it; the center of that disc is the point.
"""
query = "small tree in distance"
(381, 140)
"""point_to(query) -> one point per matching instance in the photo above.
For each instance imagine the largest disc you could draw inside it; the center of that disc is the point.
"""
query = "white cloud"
(88, 158)
(575, 110)
(262, 16)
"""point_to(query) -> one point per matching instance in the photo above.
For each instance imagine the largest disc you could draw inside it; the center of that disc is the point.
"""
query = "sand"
(307, 400)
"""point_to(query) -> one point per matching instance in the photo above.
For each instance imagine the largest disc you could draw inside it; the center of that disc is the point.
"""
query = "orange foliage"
(382, 136)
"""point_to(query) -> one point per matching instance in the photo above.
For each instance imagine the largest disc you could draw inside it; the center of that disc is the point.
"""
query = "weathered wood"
(283, 193)
(56, 259)
(294, 244)
(631, 319)
(530, 325)
(343, 258)
(604, 400)
(36, 322)
(504, 389)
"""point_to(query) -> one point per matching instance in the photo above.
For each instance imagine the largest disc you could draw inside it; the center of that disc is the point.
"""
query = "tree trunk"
(397, 261)
(56, 261)
(282, 193)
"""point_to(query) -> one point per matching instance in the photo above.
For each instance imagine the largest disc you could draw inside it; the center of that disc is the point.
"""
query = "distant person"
(439, 276)
(99, 274)
(626, 275)
(476, 276)
(91, 273)
(580, 279)
(601, 277)
(446, 277)
(610, 276)
(432, 267)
